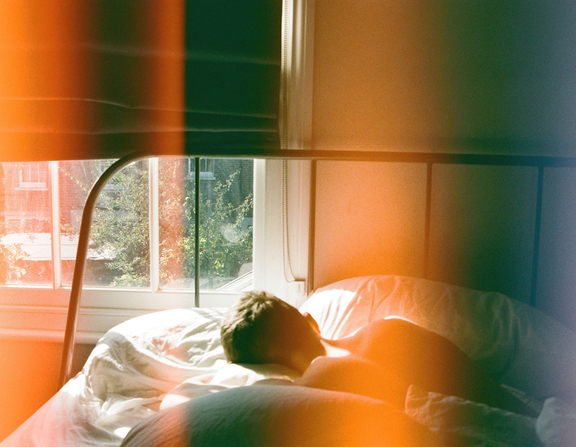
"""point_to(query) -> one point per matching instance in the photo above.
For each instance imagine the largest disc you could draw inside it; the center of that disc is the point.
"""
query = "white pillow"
(518, 344)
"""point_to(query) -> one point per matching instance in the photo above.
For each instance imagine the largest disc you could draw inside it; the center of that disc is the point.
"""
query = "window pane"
(176, 222)
(75, 179)
(25, 224)
(226, 204)
(119, 253)
(226, 226)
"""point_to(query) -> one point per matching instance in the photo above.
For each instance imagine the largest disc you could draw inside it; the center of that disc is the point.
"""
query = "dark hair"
(261, 328)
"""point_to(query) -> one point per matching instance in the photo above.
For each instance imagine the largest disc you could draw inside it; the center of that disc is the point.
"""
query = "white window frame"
(39, 313)
(30, 184)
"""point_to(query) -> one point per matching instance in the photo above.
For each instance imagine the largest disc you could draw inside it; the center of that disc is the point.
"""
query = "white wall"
(488, 77)
(281, 229)
(370, 219)
(448, 75)
(556, 292)
(482, 227)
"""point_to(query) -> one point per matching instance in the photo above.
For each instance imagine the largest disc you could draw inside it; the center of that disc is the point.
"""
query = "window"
(41, 206)
(206, 168)
(142, 241)
(140, 258)
(32, 175)
(25, 224)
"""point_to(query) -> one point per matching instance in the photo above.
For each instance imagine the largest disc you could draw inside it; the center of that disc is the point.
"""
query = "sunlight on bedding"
(156, 361)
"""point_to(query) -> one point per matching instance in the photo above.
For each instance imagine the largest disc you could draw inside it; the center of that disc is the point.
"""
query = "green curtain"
(101, 79)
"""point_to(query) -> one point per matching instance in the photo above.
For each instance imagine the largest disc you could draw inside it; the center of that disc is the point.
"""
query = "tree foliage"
(121, 233)
(12, 264)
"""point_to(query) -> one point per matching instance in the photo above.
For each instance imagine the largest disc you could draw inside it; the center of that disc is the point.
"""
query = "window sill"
(41, 313)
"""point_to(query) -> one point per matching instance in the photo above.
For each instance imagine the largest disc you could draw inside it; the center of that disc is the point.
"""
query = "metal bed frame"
(539, 162)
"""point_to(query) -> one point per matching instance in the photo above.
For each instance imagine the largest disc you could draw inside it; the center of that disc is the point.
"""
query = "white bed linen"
(532, 353)
(177, 353)
(556, 425)
(471, 424)
(129, 373)
(281, 416)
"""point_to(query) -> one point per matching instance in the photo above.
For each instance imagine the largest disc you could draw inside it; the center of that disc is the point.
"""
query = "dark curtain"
(104, 78)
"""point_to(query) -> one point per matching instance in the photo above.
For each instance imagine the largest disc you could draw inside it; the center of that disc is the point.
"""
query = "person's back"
(387, 356)
(381, 360)
(417, 355)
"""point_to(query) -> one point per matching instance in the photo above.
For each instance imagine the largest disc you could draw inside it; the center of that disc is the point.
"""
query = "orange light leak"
(44, 70)
(167, 94)
(60, 99)
(77, 82)
(171, 208)
(166, 87)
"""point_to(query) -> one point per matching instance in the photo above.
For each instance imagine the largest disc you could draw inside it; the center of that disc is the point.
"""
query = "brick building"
(26, 204)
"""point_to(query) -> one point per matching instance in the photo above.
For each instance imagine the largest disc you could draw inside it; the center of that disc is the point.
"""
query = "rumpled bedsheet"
(125, 379)
(138, 366)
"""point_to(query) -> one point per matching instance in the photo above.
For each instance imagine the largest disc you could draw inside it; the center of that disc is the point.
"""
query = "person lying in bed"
(381, 360)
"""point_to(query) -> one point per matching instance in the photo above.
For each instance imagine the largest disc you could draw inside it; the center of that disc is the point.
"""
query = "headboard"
(323, 193)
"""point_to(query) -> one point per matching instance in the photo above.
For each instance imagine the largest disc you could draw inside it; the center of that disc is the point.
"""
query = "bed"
(143, 368)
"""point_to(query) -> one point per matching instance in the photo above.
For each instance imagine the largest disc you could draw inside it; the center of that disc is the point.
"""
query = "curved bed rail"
(79, 266)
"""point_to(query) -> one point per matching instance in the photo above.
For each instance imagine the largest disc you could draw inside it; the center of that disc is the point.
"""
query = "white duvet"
(133, 368)
(177, 353)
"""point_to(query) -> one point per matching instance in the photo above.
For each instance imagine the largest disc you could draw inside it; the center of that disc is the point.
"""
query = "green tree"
(225, 244)
(12, 266)
(120, 234)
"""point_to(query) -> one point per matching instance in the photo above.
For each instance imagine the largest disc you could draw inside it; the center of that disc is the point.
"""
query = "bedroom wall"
(482, 227)
(370, 219)
(556, 292)
(448, 76)
(474, 76)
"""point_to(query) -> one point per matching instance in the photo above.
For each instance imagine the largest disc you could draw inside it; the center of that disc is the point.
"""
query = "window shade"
(101, 79)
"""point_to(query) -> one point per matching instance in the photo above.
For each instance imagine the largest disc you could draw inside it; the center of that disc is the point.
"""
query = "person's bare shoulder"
(394, 328)
(397, 338)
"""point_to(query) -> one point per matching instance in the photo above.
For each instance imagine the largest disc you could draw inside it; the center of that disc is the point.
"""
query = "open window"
(142, 234)
(249, 103)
